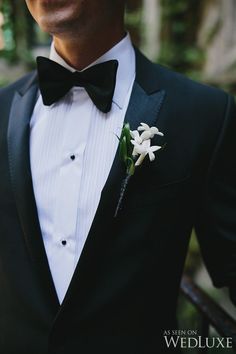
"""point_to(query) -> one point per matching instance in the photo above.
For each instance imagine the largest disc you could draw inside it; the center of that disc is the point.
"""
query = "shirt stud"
(64, 242)
(72, 157)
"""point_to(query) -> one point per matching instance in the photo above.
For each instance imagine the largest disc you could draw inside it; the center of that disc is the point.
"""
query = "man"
(74, 278)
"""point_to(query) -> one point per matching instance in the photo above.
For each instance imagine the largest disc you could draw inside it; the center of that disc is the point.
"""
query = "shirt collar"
(124, 53)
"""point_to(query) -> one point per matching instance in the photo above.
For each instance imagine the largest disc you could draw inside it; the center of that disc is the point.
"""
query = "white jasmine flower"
(133, 148)
(136, 136)
(148, 132)
(144, 149)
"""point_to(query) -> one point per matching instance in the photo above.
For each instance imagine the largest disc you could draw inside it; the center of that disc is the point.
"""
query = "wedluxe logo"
(189, 339)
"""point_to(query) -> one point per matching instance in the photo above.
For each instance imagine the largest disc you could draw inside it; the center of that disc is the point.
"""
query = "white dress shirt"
(72, 147)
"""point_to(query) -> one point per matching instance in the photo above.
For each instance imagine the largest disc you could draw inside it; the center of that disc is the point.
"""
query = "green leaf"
(123, 132)
(130, 166)
(126, 149)
(123, 149)
(126, 133)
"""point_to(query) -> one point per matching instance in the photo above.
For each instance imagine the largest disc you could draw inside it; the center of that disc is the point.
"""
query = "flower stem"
(122, 192)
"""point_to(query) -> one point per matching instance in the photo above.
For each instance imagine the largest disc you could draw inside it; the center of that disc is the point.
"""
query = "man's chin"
(54, 23)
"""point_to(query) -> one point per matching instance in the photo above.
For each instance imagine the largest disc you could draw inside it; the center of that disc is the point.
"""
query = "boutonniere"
(134, 146)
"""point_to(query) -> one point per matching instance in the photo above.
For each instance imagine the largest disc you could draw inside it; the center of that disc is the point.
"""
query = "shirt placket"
(68, 187)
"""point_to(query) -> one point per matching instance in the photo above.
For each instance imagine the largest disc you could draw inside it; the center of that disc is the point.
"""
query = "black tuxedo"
(124, 291)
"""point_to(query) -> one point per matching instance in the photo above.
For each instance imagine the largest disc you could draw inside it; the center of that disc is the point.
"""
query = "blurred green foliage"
(180, 22)
(8, 32)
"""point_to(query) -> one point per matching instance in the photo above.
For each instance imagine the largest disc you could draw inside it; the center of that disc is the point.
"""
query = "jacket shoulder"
(179, 87)
(182, 85)
(193, 99)
(19, 85)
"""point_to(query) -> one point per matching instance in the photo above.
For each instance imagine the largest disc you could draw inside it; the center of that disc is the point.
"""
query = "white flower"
(136, 136)
(148, 132)
(144, 149)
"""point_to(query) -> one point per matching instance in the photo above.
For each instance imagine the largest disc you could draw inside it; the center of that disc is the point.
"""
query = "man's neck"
(82, 51)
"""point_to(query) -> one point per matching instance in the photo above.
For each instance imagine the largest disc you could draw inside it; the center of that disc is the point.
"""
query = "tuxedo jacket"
(124, 290)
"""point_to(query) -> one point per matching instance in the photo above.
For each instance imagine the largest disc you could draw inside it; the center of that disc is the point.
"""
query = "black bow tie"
(98, 80)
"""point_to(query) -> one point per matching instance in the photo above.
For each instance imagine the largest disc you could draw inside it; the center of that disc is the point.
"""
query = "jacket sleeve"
(216, 221)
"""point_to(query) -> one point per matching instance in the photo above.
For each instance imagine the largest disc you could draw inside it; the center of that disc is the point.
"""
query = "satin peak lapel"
(19, 163)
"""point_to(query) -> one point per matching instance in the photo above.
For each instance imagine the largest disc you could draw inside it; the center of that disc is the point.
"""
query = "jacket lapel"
(19, 162)
(144, 106)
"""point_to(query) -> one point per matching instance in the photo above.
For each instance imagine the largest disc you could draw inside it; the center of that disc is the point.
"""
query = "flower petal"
(140, 160)
(134, 142)
(151, 156)
(143, 127)
(134, 153)
(154, 130)
(154, 148)
(140, 149)
(160, 133)
(134, 134)
(146, 135)
(140, 129)
(146, 143)
(137, 141)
